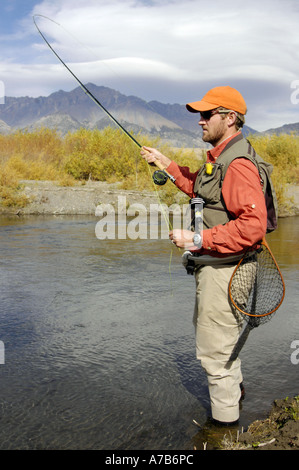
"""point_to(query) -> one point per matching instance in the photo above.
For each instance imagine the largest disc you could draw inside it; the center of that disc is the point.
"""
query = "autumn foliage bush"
(108, 155)
(98, 155)
(282, 151)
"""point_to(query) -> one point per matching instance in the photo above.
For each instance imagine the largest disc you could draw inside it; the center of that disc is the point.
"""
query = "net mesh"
(257, 288)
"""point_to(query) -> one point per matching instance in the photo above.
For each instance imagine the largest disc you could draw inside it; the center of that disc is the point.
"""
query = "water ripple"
(99, 346)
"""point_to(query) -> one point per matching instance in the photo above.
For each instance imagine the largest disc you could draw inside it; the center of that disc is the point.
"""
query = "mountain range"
(69, 111)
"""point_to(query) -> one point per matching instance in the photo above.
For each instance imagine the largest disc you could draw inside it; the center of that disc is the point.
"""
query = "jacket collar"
(215, 152)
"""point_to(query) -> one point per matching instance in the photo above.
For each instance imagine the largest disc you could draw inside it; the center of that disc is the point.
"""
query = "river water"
(98, 343)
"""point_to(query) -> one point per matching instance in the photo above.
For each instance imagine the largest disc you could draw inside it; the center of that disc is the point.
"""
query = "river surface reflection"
(99, 342)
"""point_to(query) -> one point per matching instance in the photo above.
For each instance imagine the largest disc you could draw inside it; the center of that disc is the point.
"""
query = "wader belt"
(193, 261)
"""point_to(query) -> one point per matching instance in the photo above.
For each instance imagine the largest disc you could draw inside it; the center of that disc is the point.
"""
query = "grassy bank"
(108, 155)
(279, 431)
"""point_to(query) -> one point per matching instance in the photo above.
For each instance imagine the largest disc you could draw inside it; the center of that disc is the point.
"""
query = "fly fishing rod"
(160, 176)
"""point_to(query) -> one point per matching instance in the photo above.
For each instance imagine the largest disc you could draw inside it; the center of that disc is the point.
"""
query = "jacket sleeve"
(184, 178)
(245, 201)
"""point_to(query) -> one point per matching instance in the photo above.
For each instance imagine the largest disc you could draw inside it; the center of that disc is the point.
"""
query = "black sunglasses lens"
(206, 115)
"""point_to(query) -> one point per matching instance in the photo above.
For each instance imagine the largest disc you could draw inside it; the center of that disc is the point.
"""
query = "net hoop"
(236, 306)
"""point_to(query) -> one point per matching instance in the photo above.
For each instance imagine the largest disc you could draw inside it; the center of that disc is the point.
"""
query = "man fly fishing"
(234, 220)
(231, 185)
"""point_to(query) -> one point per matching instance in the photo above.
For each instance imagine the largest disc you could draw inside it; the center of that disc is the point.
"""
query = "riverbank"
(50, 198)
(279, 431)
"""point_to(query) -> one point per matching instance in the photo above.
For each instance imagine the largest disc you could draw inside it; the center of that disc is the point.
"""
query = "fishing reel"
(160, 177)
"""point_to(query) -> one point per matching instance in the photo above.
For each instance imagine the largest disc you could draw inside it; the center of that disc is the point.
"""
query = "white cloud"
(172, 51)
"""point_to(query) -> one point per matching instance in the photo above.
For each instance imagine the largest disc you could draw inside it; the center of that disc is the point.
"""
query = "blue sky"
(172, 51)
(12, 11)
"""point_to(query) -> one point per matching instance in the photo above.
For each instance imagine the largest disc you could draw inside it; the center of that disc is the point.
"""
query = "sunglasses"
(206, 115)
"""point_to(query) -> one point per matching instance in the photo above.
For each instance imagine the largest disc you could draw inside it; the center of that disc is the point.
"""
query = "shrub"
(108, 155)
(282, 151)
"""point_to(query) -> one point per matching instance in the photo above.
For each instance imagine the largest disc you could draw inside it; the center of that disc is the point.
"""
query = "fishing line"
(84, 88)
(160, 176)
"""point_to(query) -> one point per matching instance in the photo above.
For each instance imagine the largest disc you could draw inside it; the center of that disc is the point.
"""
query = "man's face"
(214, 126)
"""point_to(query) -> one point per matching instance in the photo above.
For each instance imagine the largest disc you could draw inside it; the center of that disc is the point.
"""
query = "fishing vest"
(208, 184)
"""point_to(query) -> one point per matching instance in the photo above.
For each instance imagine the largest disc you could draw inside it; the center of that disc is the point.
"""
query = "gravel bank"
(47, 197)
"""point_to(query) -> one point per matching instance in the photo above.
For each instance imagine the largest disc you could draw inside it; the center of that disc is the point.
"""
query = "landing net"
(257, 289)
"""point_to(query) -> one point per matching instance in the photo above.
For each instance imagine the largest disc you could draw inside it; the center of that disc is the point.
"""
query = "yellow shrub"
(42, 143)
(282, 151)
(9, 188)
(108, 155)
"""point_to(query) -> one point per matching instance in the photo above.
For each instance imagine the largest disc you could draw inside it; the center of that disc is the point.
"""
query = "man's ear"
(231, 119)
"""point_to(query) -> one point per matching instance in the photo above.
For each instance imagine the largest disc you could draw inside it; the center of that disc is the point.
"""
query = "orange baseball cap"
(224, 96)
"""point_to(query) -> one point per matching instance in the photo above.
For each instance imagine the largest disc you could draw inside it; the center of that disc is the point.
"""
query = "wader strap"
(192, 261)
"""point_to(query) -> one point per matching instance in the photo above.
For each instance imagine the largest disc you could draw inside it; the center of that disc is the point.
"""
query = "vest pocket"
(209, 186)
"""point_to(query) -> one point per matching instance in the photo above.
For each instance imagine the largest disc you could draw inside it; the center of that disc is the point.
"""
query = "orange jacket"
(244, 199)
